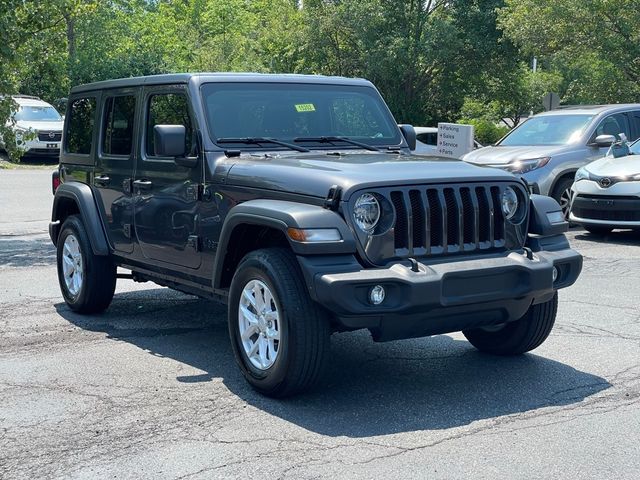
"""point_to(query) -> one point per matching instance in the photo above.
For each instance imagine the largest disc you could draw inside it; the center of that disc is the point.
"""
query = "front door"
(116, 159)
(166, 194)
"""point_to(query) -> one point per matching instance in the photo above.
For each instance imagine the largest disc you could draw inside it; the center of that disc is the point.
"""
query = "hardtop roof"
(184, 78)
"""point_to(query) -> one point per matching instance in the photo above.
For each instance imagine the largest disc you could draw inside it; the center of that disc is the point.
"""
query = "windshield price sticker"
(305, 107)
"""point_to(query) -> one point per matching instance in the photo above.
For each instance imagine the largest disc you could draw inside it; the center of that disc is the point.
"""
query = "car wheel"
(87, 281)
(562, 195)
(598, 230)
(280, 337)
(517, 337)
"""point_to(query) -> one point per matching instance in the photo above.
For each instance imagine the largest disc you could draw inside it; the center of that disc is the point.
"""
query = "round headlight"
(366, 212)
(509, 203)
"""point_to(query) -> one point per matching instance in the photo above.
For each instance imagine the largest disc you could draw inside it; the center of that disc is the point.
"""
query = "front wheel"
(562, 194)
(517, 337)
(280, 337)
(87, 281)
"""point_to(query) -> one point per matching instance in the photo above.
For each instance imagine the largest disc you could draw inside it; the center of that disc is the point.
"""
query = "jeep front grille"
(447, 219)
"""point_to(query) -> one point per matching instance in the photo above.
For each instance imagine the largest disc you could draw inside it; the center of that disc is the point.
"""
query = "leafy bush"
(486, 131)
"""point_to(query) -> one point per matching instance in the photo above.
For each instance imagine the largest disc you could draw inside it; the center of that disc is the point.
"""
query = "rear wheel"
(280, 337)
(598, 230)
(87, 281)
(517, 337)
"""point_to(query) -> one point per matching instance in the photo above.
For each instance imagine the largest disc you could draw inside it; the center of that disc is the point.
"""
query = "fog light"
(554, 275)
(376, 295)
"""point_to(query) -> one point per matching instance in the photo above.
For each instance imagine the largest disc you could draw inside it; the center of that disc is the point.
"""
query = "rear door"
(115, 162)
(166, 194)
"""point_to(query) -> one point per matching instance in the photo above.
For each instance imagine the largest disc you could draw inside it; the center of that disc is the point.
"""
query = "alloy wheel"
(259, 324)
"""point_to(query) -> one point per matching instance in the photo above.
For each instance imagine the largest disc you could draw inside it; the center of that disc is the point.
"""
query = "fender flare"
(281, 215)
(82, 196)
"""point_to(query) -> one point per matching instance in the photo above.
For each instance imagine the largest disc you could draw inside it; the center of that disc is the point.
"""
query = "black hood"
(314, 173)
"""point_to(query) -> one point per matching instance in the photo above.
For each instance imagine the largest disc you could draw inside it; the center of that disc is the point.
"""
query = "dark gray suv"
(295, 200)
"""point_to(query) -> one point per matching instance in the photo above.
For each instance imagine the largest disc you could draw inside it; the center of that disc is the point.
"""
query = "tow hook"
(528, 252)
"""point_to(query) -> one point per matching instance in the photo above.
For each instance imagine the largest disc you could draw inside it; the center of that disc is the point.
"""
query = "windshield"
(298, 113)
(548, 130)
(37, 114)
(634, 148)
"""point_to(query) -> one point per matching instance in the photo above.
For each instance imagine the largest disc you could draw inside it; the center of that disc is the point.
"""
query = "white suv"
(39, 117)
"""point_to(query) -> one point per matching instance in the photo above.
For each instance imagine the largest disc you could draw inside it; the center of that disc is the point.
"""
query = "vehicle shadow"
(26, 251)
(617, 237)
(369, 389)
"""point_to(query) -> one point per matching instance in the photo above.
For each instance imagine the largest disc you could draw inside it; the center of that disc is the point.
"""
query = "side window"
(613, 125)
(634, 120)
(79, 134)
(117, 134)
(429, 138)
(167, 109)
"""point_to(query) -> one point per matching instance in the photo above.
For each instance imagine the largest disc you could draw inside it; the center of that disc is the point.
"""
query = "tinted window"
(290, 111)
(168, 109)
(634, 120)
(79, 134)
(548, 130)
(429, 138)
(613, 125)
(119, 114)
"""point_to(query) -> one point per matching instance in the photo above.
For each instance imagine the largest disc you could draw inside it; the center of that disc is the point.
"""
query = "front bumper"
(617, 206)
(442, 297)
(38, 147)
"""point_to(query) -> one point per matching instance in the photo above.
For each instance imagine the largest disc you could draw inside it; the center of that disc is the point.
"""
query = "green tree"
(593, 44)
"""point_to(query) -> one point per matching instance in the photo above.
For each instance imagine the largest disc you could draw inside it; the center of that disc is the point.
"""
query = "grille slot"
(49, 136)
(448, 219)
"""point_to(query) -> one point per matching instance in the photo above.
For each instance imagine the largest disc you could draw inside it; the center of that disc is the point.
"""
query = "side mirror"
(409, 134)
(170, 140)
(602, 141)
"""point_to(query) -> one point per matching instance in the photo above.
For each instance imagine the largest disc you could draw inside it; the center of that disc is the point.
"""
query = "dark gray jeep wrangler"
(295, 200)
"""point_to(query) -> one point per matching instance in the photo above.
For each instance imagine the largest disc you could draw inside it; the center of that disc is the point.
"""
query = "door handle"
(102, 180)
(142, 184)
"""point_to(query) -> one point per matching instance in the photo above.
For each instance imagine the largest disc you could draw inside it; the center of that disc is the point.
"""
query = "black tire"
(559, 194)
(303, 325)
(520, 336)
(99, 272)
(598, 230)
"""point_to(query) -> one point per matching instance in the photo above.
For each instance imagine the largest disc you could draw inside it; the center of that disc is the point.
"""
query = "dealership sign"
(454, 140)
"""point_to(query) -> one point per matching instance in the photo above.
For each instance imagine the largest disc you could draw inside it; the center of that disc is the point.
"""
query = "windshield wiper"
(330, 139)
(257, 140)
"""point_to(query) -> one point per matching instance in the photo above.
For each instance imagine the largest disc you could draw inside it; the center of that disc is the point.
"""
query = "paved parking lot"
(150, 390)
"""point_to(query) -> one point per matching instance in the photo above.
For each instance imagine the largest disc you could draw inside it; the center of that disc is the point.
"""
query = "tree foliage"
(433, 60)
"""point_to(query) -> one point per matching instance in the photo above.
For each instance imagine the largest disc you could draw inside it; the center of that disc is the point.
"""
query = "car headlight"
(582, 174)
(524, 166)
(366, 212)
(510, 203)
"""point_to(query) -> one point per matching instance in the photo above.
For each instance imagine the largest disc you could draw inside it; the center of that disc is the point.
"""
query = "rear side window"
(167, 109)
(117, 136)
(79, 135)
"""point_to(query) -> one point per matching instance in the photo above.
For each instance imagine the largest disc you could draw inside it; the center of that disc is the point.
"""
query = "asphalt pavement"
(149, 389)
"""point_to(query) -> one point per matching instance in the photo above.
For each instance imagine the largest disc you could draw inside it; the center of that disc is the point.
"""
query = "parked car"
(548, 148)
(427, 141)
(41, 121)
(295, 200)
(606, 193)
